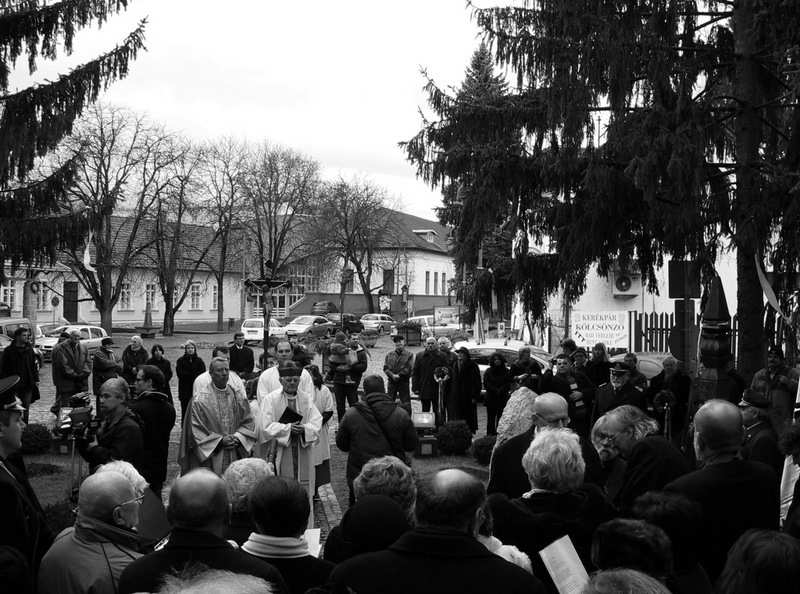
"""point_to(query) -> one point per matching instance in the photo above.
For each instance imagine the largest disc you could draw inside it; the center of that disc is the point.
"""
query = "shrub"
(36, 439)
(454, 438)
(482, 449)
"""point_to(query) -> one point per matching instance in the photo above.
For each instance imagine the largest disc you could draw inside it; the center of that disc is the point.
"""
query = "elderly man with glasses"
(507, 475)
(91, 555)
(652, 461)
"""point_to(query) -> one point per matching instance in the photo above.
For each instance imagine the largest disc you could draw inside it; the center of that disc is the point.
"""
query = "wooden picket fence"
(650, 332)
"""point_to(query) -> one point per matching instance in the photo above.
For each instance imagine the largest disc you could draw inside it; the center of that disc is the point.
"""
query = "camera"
(76, 421)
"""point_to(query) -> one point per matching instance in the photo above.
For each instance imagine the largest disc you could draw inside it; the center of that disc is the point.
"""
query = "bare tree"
(180, 248)
(122, 169)
(224, 206)
(280, 185)
(354, 225)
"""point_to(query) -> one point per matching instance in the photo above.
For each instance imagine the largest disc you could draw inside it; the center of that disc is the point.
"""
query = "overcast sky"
(339, 81)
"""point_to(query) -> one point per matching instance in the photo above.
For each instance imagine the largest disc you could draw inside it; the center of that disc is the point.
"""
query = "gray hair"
(635, 418)
(211, 581)
(127, 470)
(554, 460)
(389, 476)
(240, 478)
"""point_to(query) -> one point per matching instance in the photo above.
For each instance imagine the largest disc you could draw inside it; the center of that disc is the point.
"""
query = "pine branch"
(38, 29)
(35, 119)
(42, 197)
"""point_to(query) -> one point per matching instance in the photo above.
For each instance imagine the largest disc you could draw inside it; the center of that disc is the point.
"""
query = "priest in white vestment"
(291, 422)
(270, 381)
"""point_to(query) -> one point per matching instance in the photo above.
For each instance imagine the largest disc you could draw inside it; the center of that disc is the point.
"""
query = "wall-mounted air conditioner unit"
(627, 284)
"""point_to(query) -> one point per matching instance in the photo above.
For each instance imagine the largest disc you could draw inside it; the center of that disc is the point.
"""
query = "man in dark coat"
(736, 495)
(422, 379)
(19, 359)
(74, 367)
(652, 461)
(375, 426)
(157, 414)
(617, 392)
(526, 371)
(777, 384)
(198, 512)
(576, 388)
(134, 355)
(441, 554)
(676, 382)
(241, 357)
(23, 526)
(105, 365)
(398, 366)
(465, 389)
(760, 441)
(506, 473)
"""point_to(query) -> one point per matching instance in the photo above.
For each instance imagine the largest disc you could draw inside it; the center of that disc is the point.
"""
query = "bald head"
(449, 499)
(101, 493)
(718, 429)
(199, 500)
(550, 410)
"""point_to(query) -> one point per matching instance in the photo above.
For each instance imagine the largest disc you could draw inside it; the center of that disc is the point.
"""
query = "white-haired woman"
(558, 504)
(652, 461)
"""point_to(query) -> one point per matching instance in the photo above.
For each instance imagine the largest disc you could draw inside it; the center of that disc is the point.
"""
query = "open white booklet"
(564, 566)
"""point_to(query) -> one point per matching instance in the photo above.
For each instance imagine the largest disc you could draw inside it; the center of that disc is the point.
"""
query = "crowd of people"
(623, 477)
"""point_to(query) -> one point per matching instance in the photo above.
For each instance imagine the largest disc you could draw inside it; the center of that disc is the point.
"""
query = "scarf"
(286, 547)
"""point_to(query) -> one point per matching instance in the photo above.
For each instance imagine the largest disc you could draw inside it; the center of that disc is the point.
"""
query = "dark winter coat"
(432, 561)
(166, 369)
(21, 361)
(532, 523)
(606, 399)
(105, 366)
(761, 445)
(130, 363)
(360, 432)
(422, 381)
(187, 368)
(497, 381)
(116, 440)
(579, 410)
(652, 463)
(465, 390)
(74, 368)
(532, 372)
(679, 384)
(242, 360)
(349, 374)
(735, 496)
(157, 416)
(191, 547)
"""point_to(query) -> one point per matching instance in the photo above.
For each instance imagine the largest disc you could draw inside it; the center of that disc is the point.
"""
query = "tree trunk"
(106, 313)
(748, 229)
(220, 304)
(168, 326)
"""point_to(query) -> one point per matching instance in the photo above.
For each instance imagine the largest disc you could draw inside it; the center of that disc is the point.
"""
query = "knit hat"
(340, 337)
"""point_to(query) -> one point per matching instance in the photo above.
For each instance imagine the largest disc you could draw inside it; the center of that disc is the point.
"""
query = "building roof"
(414, 232)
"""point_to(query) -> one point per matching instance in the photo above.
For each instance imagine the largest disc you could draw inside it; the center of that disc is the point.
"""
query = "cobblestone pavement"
(327, 510)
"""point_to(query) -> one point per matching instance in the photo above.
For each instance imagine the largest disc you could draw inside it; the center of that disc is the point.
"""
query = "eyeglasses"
(138, 499)
(605, 437)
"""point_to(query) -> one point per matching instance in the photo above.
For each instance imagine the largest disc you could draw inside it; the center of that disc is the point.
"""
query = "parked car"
(380, 322)
(91, 336)
(320, 308)
(346, 322)
(310, 326)
(253, 330)
(480, 353)
(429, 327)
(649, 365)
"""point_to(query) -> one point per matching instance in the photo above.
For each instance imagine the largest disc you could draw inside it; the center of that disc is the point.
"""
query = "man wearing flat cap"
(618, 391)
(290, 423)
(760, 441)
(23, 524)
(106, 364)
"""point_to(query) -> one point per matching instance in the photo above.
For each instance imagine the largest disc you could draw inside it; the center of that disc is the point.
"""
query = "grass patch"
(35, 469)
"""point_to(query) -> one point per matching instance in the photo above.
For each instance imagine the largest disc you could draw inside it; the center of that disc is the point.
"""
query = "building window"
(194, 296)
(444, 285)
(435, 283)
(43, 298)
(150, 296)
(125, 297)
(10, 294)
(215, 297)
(427, 282)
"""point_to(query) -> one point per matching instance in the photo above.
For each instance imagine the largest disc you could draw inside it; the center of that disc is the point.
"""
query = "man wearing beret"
(23, 525)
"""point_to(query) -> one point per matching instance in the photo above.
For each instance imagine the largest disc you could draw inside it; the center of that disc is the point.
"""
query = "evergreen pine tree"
(35, 213)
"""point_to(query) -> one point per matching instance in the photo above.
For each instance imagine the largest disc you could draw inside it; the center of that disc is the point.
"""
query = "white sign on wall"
(609, 327)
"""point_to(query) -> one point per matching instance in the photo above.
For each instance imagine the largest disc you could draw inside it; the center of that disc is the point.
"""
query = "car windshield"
(57, 331)
(481, 355)
(304, 320)
(369, 317)
(254, 324)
